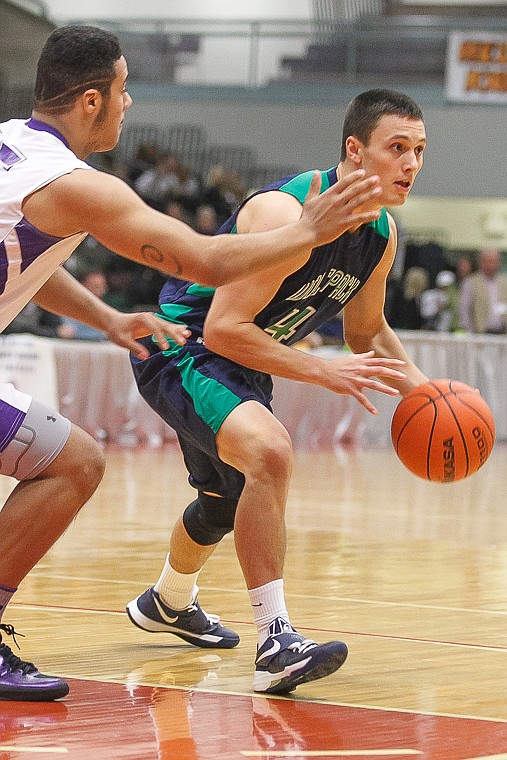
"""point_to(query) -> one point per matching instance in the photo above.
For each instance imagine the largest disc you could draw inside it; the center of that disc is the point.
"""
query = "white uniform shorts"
(31, 434)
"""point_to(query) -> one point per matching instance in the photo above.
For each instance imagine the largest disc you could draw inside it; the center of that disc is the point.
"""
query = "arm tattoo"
(154, 256)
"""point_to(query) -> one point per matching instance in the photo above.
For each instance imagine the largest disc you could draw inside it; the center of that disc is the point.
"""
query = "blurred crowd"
(428, 289)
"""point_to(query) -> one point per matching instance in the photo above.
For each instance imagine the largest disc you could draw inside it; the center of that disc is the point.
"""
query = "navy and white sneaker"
(287, 659)
(21, 681)
(193, 625)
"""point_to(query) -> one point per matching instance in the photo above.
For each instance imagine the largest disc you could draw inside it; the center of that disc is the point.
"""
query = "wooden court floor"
(412, 575)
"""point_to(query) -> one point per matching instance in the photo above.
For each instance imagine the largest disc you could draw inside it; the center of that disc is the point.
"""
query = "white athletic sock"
(5, 597)
(177, 590)
(268, 603)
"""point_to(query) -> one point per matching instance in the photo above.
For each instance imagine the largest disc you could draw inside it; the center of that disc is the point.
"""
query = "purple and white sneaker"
(21, 681)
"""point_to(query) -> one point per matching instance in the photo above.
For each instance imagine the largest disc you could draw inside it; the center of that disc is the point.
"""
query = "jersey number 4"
(287, 326)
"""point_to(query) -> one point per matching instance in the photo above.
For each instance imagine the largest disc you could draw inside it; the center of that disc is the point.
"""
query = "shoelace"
(9, 630)
(302, 646)
(213, 619)
(8, 655)
(14, 662)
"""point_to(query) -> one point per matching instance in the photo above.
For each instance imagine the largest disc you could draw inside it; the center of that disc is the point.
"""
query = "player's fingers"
(364, 401)
(354, 221)
(362, 193)
(369, 187)
(387, 372)
(136, 348)
(177, 333)
(384, 361)
(349, 179)
(376, 385)
(314, 186)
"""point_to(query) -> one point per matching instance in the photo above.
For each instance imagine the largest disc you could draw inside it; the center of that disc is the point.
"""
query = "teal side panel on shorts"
(174, 312)
(381, 225)
(200, 290)
(299, 186)
(213, 402)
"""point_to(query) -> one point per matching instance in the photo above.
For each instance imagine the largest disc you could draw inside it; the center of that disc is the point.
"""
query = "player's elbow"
(211, 273)
(215, 336)
(358, 343)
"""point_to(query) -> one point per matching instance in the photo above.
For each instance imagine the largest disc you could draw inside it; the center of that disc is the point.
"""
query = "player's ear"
(354, 148)
(91, 100)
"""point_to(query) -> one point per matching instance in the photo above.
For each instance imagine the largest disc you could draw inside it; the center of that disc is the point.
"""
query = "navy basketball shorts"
(194, 390)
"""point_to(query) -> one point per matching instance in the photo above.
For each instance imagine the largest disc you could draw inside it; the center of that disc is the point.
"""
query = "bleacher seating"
(262, 175)
(236, 158)
(375, 50)
(189, 141)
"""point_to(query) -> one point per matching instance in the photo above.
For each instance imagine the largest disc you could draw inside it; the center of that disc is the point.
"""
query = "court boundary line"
(260, 695)
(389, 637)
(220, 589)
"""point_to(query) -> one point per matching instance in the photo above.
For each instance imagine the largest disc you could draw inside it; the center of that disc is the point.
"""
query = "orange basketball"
(443, 431)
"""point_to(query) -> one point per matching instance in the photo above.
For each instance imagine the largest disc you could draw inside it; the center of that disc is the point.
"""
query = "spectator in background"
(95, 281)
(146, 158)
(439, 305)
(175, 209)
(430, 256)
(206, 220)
(35, 320)
(216, 194)
(464, 267)
(160, 182)
(483, 296)
(188, 189)
(404, 311)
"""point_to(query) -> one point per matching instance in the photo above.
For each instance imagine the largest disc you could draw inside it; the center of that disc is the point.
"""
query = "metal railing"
(250, 52)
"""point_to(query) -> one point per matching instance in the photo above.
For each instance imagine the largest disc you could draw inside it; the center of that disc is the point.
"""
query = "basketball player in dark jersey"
(49, 200)
(216, 390)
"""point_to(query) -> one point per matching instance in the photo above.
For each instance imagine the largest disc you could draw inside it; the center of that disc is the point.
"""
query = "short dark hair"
(74, 59)
(365, 111)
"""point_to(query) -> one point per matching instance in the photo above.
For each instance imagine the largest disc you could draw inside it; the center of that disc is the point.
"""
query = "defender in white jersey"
(49, 199)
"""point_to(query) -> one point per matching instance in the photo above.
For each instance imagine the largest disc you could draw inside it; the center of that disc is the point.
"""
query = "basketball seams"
(414, 414)
(431, 429)
(479, 415)
(433, 384)
(460, 429)
(430, 441)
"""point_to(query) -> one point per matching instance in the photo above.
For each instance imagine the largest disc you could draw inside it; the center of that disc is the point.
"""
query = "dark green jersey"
(313, 294)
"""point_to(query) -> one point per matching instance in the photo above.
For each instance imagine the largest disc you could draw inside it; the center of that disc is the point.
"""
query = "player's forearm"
(386, 343)
(173, 248)
(232, 257)
(62, 294)
(253, 348)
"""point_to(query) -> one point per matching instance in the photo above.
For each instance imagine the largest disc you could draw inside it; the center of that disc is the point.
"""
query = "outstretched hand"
(123, 330)
(342, 206)
(351, 374)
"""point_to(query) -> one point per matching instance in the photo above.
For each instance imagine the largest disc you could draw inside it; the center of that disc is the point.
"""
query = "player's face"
(109, 121)
(395, 154)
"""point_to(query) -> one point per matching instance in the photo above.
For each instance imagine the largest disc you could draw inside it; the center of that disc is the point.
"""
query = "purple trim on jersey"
(41, 126)
(3, 267)
(8, 157)
(11, 420)
(32, 242)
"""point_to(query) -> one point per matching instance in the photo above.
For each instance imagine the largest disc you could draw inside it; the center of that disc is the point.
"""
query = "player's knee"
(83, 461)
(209, 518)
(271, 456)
